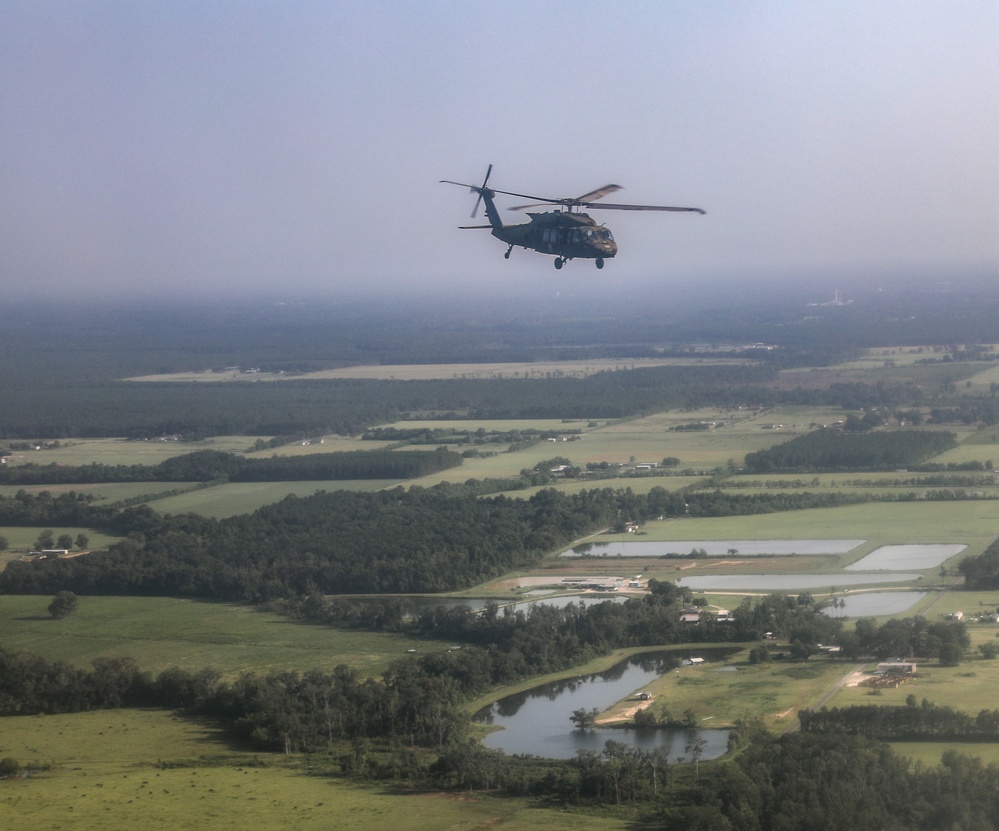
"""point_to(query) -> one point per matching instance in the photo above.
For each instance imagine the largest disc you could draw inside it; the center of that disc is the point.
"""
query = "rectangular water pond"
(789, 582)
(873, 604)
(712, 548)
(895, 557)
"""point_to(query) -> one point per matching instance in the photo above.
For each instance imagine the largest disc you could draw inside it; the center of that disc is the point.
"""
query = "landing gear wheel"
(559, 262)
(506, 256)
(600, 262)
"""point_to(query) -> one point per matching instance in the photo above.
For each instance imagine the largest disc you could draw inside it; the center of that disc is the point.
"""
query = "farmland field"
(127, 769)
(163, 632)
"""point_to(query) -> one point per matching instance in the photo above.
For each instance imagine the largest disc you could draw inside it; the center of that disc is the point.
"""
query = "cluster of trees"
(502, 645)
(945, 640)
(925, 722)
(830, 450)
(210, 465)
(65, 509)
(981, 572)
(421, 540)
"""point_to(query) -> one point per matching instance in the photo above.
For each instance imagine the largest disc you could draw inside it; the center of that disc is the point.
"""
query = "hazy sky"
(296, 147)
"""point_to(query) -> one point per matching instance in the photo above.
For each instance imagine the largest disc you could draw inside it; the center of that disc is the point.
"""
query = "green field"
(975, 523)
(163, 632)
(114, 770)
(119, 451)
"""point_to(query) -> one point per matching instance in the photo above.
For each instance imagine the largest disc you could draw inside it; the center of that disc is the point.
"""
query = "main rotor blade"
(599, 193)
(612, 207)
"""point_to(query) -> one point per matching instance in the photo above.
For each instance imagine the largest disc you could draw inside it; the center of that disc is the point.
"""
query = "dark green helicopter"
(566, 233)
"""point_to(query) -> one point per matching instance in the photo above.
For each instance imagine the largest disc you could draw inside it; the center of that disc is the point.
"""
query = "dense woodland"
(211, 465)
(924, 722)
(833, 450)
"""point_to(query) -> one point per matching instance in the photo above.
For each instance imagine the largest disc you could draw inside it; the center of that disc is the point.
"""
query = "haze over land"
(156, 150)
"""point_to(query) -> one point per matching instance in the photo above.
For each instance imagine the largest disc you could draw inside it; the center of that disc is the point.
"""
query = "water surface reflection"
(537, 721)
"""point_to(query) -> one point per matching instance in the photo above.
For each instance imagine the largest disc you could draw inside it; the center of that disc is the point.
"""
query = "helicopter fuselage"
(565, 234)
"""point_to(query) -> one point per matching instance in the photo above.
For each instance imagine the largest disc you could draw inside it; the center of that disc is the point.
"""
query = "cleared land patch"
(419, 372)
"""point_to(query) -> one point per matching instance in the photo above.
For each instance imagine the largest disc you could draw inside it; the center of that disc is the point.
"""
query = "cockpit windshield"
(596, 234)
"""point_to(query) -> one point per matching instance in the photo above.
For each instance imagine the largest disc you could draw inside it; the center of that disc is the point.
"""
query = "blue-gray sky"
(295, 147)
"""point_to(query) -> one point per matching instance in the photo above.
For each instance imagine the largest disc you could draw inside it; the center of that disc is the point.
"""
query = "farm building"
(897, 668)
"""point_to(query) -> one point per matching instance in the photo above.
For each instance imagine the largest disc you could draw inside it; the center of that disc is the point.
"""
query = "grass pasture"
(114, 770)
(106, 491)
(969, 687)
(164, 632)
(120, 451)
(234, 498)
(718, 695)
(930, 753)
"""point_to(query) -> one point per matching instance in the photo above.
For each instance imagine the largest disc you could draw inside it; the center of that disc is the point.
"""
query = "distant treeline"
(927, 722)
(350, 406)
(831, 450)
(209, 465)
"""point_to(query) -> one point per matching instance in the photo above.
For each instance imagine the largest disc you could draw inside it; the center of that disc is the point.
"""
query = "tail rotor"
(479, 190)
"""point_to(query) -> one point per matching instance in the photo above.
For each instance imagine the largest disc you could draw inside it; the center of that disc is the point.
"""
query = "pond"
(891, 557)
(789, 582)
(712, 548)
(537, 722)
(564, 600)
(874, 604)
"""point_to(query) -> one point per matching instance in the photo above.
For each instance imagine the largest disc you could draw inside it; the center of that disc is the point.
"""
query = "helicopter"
(566, 232)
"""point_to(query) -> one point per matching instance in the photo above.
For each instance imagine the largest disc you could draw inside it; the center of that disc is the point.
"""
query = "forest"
(923, 722)
(829, 449)
(209, 465)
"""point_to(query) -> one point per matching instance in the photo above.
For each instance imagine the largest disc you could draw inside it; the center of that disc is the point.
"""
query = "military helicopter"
(565, 232)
